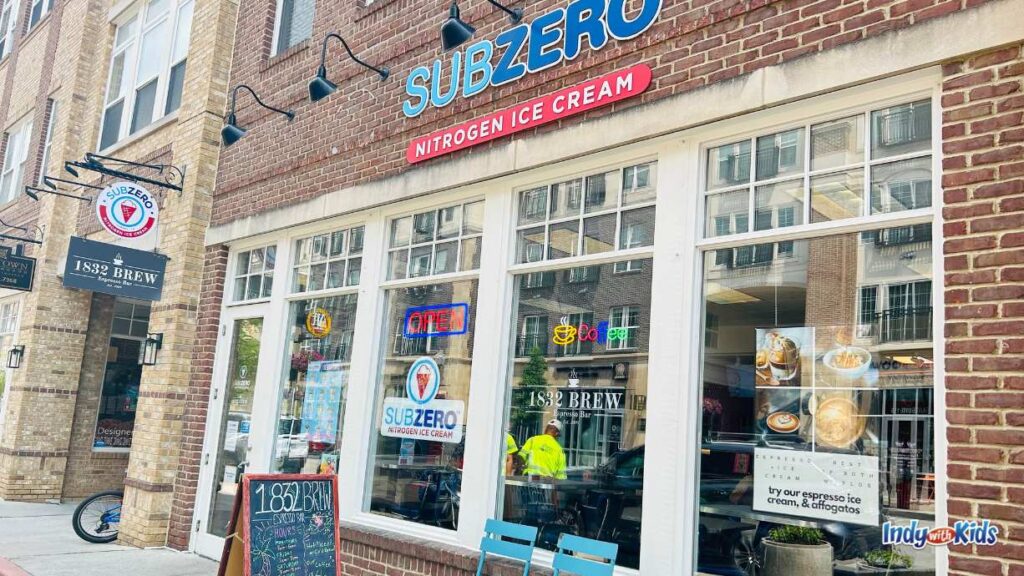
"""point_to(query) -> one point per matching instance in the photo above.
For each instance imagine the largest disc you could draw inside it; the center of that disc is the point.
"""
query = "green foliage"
(888, 559)
(796, 535)
(534, 379)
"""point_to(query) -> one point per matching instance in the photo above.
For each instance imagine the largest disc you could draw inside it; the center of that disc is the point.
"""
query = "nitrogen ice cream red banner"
(566, 102)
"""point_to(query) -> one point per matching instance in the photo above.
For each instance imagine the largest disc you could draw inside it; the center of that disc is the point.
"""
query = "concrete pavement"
(37, 540)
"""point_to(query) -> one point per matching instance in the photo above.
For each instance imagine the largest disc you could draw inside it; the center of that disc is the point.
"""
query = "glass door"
(231, 453)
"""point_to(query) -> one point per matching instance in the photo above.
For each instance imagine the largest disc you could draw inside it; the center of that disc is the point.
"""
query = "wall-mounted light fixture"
(320, 87)
(150, 348)
(456, 31)
(232, 132)
(15, 355)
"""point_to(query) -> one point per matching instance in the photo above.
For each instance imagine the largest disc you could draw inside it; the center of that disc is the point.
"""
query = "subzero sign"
(127, 210)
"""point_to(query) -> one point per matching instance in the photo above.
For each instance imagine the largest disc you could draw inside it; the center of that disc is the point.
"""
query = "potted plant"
(888, 560)
(800, 550)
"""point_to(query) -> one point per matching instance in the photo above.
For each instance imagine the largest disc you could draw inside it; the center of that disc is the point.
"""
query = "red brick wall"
(694, 43)
(983, 178)
(369, 552)
(197, 400)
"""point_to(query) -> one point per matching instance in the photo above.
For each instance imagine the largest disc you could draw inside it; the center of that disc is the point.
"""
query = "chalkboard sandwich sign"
(284, 524)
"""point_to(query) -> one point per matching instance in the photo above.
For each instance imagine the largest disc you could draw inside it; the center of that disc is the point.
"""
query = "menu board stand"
(294, 526)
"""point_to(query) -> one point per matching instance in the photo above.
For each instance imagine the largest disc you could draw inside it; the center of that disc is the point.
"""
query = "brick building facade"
(56, 70)
(719, 69)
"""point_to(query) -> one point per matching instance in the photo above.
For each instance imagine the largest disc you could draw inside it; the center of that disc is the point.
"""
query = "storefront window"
(574, 439)
(122, 376)
(312, 400)
(254, 273)
(893, 165)
(587, 215)
(817, 400)
(422, 398)
(330, 260)
(436, 241)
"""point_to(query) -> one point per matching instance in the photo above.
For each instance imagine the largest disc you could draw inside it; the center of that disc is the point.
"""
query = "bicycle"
(98, 517)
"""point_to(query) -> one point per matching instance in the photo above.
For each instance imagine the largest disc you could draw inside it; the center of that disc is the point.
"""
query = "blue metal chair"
(569, 546)
(492, 543)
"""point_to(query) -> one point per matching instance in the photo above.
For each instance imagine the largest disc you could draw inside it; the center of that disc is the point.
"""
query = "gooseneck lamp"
(232, 132)
(320, 87)
(455, 32)
(514, 14)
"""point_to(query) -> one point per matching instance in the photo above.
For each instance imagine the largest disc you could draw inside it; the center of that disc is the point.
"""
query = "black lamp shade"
(231, 133)
(320, 87)
(31, 194)
(70, 170)
(455, 32)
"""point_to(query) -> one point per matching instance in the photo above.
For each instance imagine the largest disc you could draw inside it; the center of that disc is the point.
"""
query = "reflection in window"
(897, 172)
(572, 228)
(328, 260)
(817, 378)
(436, 241)
(254, 273)
(122, 375)
(312, 398)
(577, 407)
(416, 471)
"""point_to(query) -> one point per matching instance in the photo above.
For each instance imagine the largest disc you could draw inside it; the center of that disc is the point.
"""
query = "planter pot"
(791, 559)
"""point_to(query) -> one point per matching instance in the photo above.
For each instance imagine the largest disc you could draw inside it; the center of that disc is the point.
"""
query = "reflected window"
(847, 173)
(816, 406)
(311, 404)
(616, 212)
(122, 375)
(417, 462)
(328, 260)
(254, 273)
(576, 407)
(437, 241)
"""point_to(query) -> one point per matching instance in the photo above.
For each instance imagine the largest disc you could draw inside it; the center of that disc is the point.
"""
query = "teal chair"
(569, 546)
(492, 543)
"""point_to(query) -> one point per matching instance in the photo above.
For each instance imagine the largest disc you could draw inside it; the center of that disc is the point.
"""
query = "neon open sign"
(436, 320)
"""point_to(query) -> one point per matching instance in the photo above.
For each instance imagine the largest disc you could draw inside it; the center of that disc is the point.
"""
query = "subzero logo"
(423, 380)
(982, 533)
(127, 210)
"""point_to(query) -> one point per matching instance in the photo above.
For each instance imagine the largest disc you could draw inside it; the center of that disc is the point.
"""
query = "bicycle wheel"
(98, 517)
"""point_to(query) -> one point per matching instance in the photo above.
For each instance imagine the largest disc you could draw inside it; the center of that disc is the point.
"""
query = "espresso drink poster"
(818, 485)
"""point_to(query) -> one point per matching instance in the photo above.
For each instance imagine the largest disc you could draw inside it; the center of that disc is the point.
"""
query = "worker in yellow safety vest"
(544, 455)
(510, 450)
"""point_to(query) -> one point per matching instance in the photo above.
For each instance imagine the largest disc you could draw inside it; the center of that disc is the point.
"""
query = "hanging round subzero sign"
(127, 210)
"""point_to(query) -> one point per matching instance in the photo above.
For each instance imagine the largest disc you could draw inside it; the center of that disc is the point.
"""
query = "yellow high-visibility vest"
(544, 457)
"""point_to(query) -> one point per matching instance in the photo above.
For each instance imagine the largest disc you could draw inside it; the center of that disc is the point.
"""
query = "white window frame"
(862, 100)
(676, 331)
(347, 258)
(48, 142)
(15, 160)
(45, 7)
(131, 49)
(10, 9)
(250, 274)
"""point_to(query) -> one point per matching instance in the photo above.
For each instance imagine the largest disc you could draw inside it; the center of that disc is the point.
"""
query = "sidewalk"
(37, 540)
